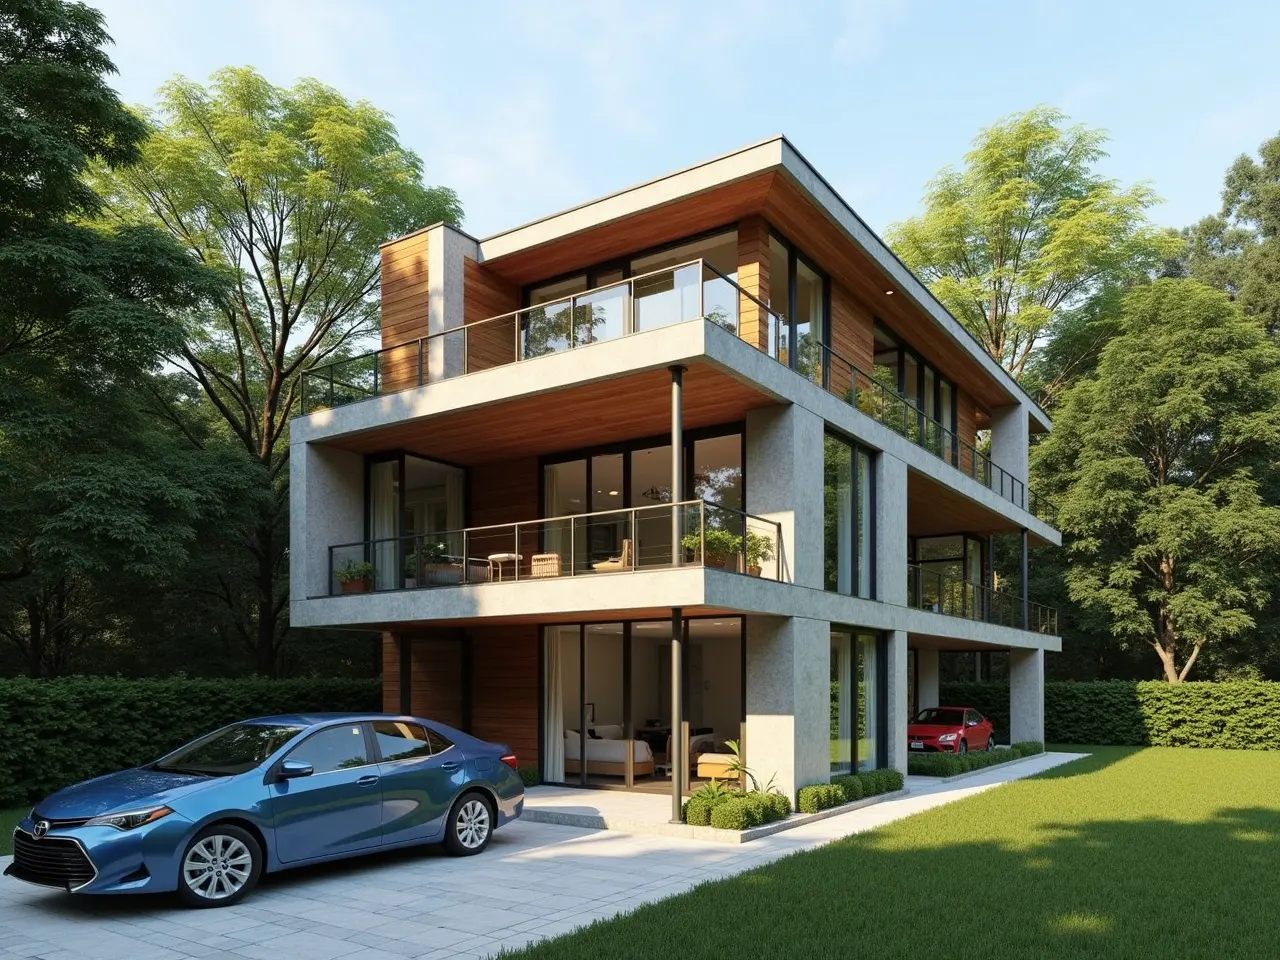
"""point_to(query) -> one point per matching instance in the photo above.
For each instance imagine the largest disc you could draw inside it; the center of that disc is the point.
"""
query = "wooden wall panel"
(504, 687)
(505, 493)
(487, 295)
(966, 428)
(404, 310)
(852, 338)
(753, 277)
(435, 680)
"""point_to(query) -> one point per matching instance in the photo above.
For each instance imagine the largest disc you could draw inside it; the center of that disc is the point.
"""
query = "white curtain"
(385, 501)
(842, 651)
(555, 535)
(868, 746)
(553, 726)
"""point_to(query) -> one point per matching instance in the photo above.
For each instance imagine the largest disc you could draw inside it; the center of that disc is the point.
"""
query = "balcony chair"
(622, 562)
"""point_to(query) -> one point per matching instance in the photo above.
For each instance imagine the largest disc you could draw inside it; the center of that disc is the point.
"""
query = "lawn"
(1130, 853)
(8, 820)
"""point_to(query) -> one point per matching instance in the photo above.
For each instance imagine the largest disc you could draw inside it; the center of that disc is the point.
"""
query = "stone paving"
(535, 881)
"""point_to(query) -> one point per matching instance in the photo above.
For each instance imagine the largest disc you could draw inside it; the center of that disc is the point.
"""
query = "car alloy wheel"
(991, 743)
(220, 866)
(964, 747)
(473, 824)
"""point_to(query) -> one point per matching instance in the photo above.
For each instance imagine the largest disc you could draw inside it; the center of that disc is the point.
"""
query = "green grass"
(1128, 853)
(8, 820)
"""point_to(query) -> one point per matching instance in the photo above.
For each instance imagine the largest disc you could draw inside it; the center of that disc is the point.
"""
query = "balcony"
(693, 533)
(664, 297)
(937, 593)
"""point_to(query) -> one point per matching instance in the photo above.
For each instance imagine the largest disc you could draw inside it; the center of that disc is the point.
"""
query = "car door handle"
(367, 781)
(449, 766)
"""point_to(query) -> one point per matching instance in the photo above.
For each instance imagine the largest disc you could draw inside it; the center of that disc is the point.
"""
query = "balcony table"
(496, 560)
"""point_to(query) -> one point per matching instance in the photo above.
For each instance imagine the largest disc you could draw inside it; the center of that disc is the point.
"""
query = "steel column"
(677, 760)
(677, 460)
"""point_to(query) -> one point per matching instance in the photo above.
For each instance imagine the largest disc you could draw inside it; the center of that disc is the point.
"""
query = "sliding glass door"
(848, 507)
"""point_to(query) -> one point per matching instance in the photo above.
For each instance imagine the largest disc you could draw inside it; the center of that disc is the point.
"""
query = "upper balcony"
(672, 295)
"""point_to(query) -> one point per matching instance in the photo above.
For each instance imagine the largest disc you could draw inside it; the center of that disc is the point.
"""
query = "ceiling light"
(888, 293)
(613, 493)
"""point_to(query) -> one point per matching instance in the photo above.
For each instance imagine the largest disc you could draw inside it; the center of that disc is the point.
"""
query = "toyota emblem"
(40, 829)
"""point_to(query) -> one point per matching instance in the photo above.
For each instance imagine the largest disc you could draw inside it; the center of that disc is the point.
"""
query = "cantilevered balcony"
(935, 592)
(693, 533)
(664, 297)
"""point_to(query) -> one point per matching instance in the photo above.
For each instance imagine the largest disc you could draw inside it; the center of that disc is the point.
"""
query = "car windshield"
(942, 718)
(232, 750)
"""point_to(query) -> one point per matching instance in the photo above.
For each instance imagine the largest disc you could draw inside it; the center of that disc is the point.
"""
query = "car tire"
(469, 826)
(219, 867)
(963, 749)
(991, 743)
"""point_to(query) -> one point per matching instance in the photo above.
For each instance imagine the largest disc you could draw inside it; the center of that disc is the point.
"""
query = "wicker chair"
(621, 562)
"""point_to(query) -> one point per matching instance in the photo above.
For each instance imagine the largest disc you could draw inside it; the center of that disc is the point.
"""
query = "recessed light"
(888, 293)
(613, 493)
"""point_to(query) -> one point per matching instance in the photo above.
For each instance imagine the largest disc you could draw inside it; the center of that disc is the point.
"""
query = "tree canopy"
(1157, 461)
(1023, 241)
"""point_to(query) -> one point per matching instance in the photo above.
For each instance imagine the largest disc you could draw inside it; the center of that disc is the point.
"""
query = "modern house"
(694, 462)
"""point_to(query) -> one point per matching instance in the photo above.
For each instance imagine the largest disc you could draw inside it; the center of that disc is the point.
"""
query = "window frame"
(855, 571)
(796, 255)
(904, 349)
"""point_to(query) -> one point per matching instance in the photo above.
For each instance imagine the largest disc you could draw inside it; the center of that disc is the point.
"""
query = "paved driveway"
(534, 881)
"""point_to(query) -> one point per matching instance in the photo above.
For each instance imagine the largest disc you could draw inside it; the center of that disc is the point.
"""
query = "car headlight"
(131, 819)
(947, 737)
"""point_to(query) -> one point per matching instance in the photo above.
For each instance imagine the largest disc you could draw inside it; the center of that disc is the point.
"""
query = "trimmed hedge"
(1234, 714)
(847, 788)
(58, 732)
(734, 810)
(954, 764)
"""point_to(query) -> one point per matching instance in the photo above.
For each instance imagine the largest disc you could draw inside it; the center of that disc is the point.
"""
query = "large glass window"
(657, 302)
(932, 396)
(844, 701)
(848, 503)
(384, 527)
(869, 732)
(797, 291)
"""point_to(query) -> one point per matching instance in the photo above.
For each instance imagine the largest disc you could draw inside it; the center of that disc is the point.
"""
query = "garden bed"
(948, 765)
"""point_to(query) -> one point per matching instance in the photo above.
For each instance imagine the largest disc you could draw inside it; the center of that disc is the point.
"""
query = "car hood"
(930, 729)
(118, 792)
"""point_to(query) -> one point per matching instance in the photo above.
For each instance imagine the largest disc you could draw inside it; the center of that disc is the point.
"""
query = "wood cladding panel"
(610, 411)
(435, 676)
(852, 339)
(653, 227)
(753, 277)
(487, 295)
(404, 289)
(505, 688)
(505, 493)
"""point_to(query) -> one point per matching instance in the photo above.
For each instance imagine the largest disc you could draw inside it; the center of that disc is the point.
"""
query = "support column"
(677, 467)
(890, 530)
(927, 674)
(784, 448)
(1026, 695)
(1026, 607)
(1010, 450)
(677, 760)
(406, 674)
(788, 699)
(447, 248)
(896, 709)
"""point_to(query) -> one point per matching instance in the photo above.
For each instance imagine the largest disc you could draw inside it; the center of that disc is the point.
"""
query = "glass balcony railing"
(688, 291)
(937, 593)
(694, 533)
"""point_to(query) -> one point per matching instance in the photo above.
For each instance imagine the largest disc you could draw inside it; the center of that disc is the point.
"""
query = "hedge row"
(730, 809)
(847, 788)
(954, 764)
(58, 732)
(1236, 714)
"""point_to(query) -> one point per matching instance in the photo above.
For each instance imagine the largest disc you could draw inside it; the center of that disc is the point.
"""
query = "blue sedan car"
(262, 795)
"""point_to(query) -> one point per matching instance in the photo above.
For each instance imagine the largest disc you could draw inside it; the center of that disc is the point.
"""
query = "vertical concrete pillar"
(784, 462)
(447, 249)
(896, 713)
(1010, 439)
(891, 529)
(1026, 695)
(789, 701)
(326, 507)
(927, 677)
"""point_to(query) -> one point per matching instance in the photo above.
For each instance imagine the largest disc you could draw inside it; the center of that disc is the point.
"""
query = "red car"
(950, 730)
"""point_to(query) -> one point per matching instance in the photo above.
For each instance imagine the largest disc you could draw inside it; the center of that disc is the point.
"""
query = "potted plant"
(437, 566)
(718, 546)
(759, 551)
(354, 576)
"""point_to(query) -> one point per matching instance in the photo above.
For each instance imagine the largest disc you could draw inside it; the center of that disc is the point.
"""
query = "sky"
(528, 108)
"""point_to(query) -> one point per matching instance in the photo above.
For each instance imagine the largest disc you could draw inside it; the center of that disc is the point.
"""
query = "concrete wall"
(784, 471)
(891, 530)
(447, 248)
(1010, 436)
(1026, 695)
(788, 701)
(896, 713)
(326, 506)
(927, 677)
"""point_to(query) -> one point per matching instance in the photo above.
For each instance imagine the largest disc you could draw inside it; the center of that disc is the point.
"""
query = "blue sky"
(526, 108)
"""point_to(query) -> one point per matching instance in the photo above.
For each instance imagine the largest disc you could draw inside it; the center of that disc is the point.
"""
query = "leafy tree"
(1027, 236)
(1239, 250)
(1157, 461)
(288, 193)
(99, 497)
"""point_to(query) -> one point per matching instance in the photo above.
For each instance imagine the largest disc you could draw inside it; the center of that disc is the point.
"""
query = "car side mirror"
(292, 769)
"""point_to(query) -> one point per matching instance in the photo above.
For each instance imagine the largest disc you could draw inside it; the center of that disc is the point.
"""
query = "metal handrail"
(467, 537)
(956, 597)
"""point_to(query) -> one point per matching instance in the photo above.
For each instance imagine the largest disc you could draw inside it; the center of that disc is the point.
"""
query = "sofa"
(606, 753)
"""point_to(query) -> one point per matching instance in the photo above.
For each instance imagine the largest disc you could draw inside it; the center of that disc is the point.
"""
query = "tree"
(1158, 462)
(1239, 250)
(99, 497)
(288, 193)
(1027, 236)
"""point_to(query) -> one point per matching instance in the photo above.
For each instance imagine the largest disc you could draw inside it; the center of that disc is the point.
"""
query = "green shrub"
(529, 775)
(779, 807)
(1027, 748)
(819, 796)
(1234, 714)
(893, 780)
(850, 786)
(62, 731)
(954, 764)
(733, 814)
